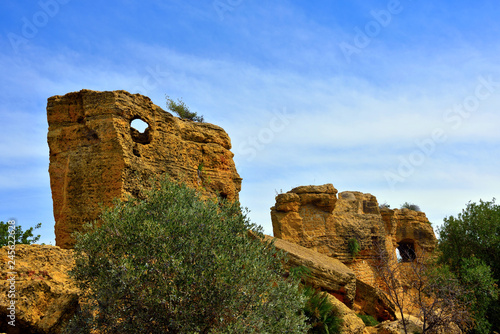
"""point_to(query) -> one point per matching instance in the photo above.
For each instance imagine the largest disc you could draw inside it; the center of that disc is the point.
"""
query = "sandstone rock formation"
(96, 156)
(351, 323)
(372, 301)
(45, 296)
(314, 217)
(327, 274)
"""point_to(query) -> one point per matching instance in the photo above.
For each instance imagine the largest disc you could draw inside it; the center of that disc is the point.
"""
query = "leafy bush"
(368, 319)
(470, 245)
(321, 314)
(21, 237)
(353, 246)
(410, 206)
(175, 263)
(182, 110)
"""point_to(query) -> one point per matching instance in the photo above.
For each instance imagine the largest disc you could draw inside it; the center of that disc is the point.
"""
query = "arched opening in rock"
(140, 131)
(139, 125)
(406, 250)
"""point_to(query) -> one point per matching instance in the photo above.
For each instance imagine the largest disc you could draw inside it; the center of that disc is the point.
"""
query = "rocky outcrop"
(314, 217)
(372, 301)
(351, 323)
(45, 297)
(409, 227)
(96, 156)
(327, 274)
(325, 221)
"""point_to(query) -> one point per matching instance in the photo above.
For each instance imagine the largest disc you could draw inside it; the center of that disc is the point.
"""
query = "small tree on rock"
(411, 206)
(182, 110)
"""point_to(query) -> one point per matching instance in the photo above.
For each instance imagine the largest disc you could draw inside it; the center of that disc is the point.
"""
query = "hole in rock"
(139, 125)
(406, 251)
(140, 131)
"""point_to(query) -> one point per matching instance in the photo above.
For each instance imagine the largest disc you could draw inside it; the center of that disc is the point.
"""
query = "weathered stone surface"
(327, 225)
(288, 202)
(96, 156)
(351, 323)
(413, 325)
(411, 226)
(45, 296)
(327, 274)
(372, 301)
(323, 189)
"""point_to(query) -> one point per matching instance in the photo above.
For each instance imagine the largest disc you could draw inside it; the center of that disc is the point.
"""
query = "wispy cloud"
(273, 76)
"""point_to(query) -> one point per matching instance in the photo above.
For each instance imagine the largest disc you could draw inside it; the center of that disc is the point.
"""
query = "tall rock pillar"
(96, 156)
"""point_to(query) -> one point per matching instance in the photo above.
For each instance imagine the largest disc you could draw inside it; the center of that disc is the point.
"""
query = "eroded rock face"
(96, 156)
(372, 301)
(409, 227)
(314, 217)
(45, 296)
(351, 323)
(327, 274)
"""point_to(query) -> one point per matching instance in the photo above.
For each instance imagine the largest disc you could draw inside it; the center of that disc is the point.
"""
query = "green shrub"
(320, 312)
(368, 319)
(384, 206)
(353, 246)
(410, 206)
(182, 110)
(20, 236)
(178, 264)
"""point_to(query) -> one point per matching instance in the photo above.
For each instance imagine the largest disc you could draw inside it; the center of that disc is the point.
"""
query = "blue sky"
(399, 99)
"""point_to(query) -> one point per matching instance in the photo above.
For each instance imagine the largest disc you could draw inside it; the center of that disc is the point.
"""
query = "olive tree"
(177, 263)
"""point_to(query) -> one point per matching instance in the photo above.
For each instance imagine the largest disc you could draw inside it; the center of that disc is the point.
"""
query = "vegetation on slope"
(177, 263)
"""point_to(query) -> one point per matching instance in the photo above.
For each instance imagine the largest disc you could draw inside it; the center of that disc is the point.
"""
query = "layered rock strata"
(96, 155)
(321, 219)
(327, 274)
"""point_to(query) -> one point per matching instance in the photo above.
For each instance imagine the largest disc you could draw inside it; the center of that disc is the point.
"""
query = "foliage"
(384, 205)
(422, 286)
(176, 263)
(21, 237)
(353, 246)
(182, 110)
(474, 273)
(411, 206)
(474, 232)
(368, 319)
(320, 312)
(470, 245)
